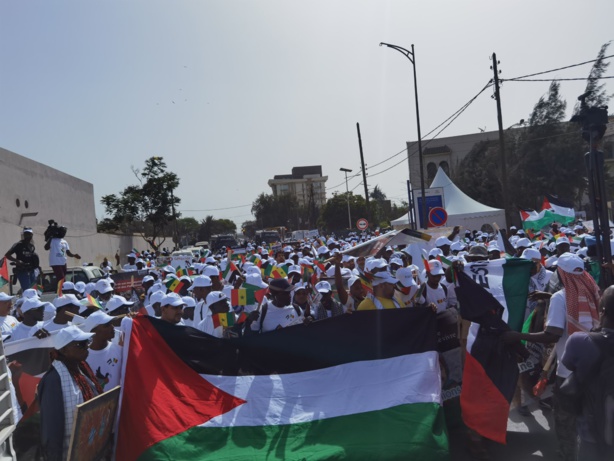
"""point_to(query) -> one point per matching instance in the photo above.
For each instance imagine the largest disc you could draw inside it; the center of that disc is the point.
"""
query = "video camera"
(54, 231)
(592, 119)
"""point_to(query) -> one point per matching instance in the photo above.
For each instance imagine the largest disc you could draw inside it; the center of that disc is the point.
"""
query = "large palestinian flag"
(360, 387)
(492, 295)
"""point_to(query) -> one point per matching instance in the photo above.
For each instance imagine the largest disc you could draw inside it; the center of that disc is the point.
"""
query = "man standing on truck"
(58, 250)
(23, 254)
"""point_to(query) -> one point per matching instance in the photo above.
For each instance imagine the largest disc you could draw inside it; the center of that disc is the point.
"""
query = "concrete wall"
(53, 194)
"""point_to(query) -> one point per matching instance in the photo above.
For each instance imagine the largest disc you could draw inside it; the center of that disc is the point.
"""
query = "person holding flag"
(68, 383)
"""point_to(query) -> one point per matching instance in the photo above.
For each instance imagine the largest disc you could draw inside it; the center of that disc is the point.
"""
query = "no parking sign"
(438, 217)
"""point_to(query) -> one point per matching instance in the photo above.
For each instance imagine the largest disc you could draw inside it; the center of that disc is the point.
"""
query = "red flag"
(4, 271)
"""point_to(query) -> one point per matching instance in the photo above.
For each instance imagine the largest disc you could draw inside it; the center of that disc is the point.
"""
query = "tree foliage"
(334, 214)
(595, 88)
(211, 226)
(187, 231)
(146, 208)
(277, 210)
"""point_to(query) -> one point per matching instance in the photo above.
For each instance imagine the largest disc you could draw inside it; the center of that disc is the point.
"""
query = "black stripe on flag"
(371, 335)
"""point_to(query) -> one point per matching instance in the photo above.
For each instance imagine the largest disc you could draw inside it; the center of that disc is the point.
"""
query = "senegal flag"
(301, 392)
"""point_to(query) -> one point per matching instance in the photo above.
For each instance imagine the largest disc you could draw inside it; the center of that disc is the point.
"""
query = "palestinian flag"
(174, 285)
(531, 219)
(4, 272)
(492, 295)
(38, 287)
(230, 269)
(562, 211)
(507, 280)
(302, 392)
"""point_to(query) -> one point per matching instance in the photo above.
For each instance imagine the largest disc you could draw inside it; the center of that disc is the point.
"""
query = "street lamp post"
(411, 55)
(347, 190)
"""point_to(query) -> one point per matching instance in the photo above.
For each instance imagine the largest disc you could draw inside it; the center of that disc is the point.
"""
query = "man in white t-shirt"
(432, 293)
(32, 311)
(279, 313)
(65, 305)
(105, 357)
(7, 322)
(58, 250)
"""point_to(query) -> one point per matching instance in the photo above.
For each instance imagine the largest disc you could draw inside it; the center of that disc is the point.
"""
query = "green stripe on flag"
(516, 273)
(412, 432)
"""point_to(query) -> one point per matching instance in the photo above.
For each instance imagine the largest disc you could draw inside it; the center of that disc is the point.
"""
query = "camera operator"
(25, 259)
(58, 249)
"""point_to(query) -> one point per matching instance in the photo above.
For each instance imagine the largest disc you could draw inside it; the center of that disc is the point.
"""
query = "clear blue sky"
(232, 92)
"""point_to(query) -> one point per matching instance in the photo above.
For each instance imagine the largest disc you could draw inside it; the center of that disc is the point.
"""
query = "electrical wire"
(220, 209)
(559, 68)
(555, 79)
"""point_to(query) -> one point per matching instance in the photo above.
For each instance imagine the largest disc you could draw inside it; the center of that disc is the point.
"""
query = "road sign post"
(362, 224)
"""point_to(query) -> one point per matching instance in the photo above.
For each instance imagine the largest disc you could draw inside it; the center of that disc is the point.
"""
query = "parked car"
(75, 274)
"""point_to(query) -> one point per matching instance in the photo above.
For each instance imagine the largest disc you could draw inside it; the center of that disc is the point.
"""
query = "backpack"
(598, 398)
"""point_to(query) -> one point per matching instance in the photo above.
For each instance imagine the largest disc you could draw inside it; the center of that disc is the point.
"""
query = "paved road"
(528, 438)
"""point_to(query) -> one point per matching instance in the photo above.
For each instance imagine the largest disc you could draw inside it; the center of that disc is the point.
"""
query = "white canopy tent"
(462, 210)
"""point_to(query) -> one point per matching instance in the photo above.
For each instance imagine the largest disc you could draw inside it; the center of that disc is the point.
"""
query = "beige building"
(446, 153)
(306, 183)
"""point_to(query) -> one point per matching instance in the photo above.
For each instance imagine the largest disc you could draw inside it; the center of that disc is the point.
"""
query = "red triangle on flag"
(4, 269)
(162, 395)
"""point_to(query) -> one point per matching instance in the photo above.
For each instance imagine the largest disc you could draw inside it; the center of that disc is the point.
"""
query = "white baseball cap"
(31, 303)
(188, 301)
(201, 281)
(172, 299)
(103, 286)
(211, 271)
(95, 319)
(80, 287)
(30, 293)
(383, 277)
(441, 241)
(214, 297)
(323, 287)
(571, 263)
(436, 267)
(68, 286)
(562, 240)
(65, 300)
(405, 277)
(531, 253)
(68, 335)
(156, 297)
(116, 302)
(255, 279)
(5, 297)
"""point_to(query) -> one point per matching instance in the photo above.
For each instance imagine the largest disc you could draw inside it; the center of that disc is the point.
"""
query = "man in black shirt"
(23, 254)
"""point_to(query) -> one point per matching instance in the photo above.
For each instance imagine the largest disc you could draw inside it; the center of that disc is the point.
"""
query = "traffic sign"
(362, 224)
(437, 217)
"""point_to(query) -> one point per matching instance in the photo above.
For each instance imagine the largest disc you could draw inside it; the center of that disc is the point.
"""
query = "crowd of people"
(260, 288)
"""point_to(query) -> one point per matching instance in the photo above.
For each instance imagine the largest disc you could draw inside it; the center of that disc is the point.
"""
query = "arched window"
(431, 171)
(445, 167)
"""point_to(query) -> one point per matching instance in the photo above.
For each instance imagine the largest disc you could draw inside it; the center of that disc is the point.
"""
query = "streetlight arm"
(408, 54)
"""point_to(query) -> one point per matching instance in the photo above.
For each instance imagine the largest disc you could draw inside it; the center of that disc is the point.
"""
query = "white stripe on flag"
(336, 391)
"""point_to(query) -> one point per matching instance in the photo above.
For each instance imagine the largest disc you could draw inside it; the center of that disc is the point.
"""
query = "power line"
(555, 79)
(559, 68)
(220, 209)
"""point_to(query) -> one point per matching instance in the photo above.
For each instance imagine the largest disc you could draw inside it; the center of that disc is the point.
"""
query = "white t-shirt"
(277, 317)
(57, 252)
(557, 317)
(436, 296)
(51, 326)
(8, 324)
(106, 365)
(22, 331)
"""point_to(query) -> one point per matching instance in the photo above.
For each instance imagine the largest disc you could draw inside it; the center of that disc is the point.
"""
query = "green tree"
(249, 228)
(276, 210)
(146, 208)
(187, 231)
(595, 88)
(211, 226)
(334, 214)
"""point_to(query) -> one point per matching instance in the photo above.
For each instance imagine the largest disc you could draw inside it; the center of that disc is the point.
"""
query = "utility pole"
(347, 192)
(364, 172)
(501, 140)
